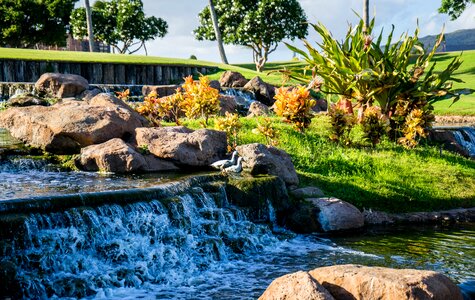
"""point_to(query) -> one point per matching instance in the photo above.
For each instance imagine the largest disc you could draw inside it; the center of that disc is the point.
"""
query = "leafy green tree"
(121, 24)
(454, 8)
(25, 23)
(257, 24)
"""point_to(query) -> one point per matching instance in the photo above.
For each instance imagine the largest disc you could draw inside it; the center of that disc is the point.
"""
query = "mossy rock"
(253, 194)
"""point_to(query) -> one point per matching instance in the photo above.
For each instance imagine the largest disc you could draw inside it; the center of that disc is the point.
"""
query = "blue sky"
(182, 18)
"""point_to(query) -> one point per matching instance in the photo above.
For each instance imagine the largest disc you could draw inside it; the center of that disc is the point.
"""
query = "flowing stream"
(193, 244)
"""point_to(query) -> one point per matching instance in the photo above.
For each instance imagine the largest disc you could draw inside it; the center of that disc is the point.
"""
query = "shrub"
(124, 95)
(295, 106)
(231, 125)
(200, 99)
(342, 121)
(365, 71)
(374, 124)
(149, 109)
(268, 131)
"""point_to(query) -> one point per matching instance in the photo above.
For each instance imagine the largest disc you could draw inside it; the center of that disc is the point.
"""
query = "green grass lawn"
(387, 177)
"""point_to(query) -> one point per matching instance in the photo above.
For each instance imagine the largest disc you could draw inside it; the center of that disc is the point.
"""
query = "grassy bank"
(387, 177)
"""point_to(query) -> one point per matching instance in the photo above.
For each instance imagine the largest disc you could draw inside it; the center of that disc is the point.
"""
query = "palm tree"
(90, 33)
(217, 32)
(365, 15)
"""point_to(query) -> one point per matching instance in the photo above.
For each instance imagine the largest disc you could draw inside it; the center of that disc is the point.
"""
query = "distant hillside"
(455, 41)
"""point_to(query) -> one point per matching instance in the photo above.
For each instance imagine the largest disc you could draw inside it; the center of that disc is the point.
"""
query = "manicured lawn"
(387, 177)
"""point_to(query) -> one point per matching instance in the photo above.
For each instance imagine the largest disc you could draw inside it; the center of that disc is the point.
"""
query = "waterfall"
(465, 137)
(88, 251)
(243, 98)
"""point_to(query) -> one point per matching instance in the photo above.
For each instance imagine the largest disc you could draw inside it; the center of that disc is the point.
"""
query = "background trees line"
(257, 24)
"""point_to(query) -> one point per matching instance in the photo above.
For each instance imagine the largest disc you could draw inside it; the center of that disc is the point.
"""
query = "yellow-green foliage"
(374, 124)
(231, 125)
(342, 121)
(149, 109)
(295, 106)
(267, 129)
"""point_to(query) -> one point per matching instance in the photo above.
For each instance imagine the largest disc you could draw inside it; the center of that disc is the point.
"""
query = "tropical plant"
(259, 25)
(124, 95)
(230, 124)
(268, 131)
(367, 72)
(295, 106)
(200, 99)
(26, 23)
(374, 124)
(342, 122)
(170, 107)
(121, 24)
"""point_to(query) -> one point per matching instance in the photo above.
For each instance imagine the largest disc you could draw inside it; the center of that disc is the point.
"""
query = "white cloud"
(182, 18)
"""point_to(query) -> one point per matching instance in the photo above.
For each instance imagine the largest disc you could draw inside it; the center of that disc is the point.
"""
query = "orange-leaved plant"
(200, 99)
(295, 106)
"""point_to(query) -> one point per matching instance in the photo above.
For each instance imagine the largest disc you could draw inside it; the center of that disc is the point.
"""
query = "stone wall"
(98, 73)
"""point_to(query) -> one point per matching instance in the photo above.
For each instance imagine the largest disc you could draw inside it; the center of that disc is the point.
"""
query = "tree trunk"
(90, 32)
(365, 15)
(214, 19)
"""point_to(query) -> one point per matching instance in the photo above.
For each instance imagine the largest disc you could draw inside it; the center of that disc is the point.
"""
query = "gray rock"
(227, 104)
(307, 192)
(23, 100)
(61, 85)
(336, 214)
(260, 159)
(257, 109)
(263, 92)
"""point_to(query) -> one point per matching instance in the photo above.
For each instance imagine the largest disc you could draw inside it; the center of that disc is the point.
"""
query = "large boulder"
(232, 79)
(324, 214)
(61, 85)
(361, 282)
(260, 159)
(336, 214)
(183, 146)
(68, 126)
(119, 157)
(112, 156)
(296, 286)
(263, 92)
(227, 104)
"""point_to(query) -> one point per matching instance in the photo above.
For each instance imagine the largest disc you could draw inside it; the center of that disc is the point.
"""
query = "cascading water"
(465, 137)
(92, 251)
(243, 98)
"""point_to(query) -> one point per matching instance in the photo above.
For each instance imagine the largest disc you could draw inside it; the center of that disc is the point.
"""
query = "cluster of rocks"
(342, 282)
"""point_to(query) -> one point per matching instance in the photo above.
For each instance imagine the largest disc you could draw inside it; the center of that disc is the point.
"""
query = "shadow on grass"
(404, 198)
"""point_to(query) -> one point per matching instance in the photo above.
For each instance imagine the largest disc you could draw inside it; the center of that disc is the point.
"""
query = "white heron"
(224, 163)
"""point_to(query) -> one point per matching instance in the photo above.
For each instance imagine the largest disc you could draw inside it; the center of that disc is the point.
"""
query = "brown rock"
(67, 126)
(447, 140)
(232, 79)
(184, 146)
(336, 214)
(161, 90)
(257, 109)
(263, 92)
(260, 159)
(155, 164)
(87, 95)
(227, 104)
(360, 282)
(112, 156)
(296, 286)
(215, 84)
(61, 85)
